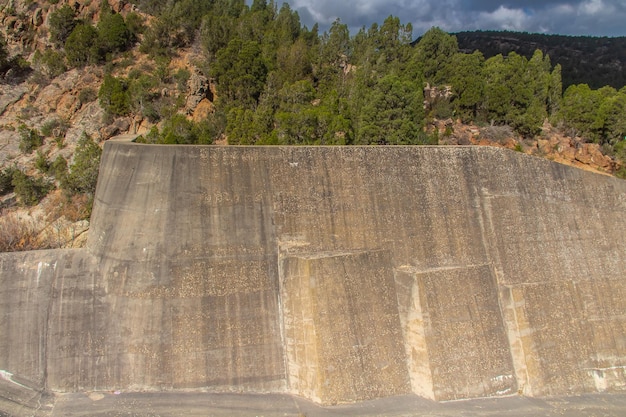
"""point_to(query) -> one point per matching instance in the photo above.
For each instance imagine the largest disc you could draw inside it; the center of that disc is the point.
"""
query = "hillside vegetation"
(75, 73)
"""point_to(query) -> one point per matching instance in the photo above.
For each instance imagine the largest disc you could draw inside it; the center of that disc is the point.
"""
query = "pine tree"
(435, 51)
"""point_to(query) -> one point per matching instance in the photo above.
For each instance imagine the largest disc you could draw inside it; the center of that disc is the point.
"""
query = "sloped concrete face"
(462, 333)
(48, 321)
(188, 255)
(339, 274)
(332, 360)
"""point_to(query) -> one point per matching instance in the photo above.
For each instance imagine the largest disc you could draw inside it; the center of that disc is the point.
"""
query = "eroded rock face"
(552, 144)
(590, 154)
(118, 5)
(336, 273)
(88, 120)
(198, 90)
(119, 126)
(37, 19)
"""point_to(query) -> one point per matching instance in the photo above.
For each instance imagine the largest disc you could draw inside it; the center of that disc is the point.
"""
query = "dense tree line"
(599, 115)
(279, 82)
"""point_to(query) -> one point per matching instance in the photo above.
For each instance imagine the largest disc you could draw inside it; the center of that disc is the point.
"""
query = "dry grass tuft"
(19, 234)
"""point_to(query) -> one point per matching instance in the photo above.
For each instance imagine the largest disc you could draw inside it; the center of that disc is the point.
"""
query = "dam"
(334, 274)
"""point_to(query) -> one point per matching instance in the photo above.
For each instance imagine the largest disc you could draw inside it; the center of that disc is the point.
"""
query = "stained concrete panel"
(338, 198)
(341, 324)
(561, 283)
(26, 284)
(413, 325)
(48, 300)
(571, 335)
(462, 349)
(189, 259)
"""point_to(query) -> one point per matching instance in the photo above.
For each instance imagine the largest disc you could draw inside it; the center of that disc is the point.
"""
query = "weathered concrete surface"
(462, 334)
(331, 360)
(339, 274)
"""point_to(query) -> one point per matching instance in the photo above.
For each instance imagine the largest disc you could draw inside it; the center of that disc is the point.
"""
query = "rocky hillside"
(45, 105)
(60, 109)
(551, 144)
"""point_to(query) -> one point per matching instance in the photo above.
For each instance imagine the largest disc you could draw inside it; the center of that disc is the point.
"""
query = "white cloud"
(592, 7)
(563, 9)
(504, 18)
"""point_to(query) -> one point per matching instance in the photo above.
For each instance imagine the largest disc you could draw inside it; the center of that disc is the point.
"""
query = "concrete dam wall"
(339, 274)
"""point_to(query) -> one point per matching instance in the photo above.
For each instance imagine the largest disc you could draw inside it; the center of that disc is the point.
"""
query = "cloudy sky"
(586, 17)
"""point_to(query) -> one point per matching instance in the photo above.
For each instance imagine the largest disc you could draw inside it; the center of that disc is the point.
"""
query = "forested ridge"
(271, 81)
(595, 61)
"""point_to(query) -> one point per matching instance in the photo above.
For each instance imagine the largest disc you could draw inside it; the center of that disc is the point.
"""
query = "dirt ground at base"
(107, 404)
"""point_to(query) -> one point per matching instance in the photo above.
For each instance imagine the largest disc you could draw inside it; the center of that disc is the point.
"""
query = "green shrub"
(442, 109)
(62, 23)
(182, 76)
(58, 169)
(54, 128)
(620, 154)
(87, 95)
(30, 191)
(60, 141)
(41, 162)
(82, 46)
(134, 23)
(113, 34)
(51, 62)
(4, 56)
(6, 180)
(113, 96)
(143, 91)
(29, 139)
(178, 130)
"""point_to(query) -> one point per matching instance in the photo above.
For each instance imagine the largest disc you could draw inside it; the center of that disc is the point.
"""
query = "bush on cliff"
(82, 46)
(83, 172)
(30, 139)
(62, 23)
(177, 130)
(114, 96)
(29, 190)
